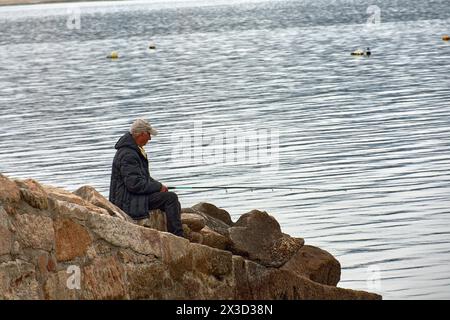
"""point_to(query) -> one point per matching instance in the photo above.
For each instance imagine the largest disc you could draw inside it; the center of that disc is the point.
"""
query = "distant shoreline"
(28, 2)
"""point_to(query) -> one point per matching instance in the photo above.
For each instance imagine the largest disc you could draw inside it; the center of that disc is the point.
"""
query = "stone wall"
(55, 244)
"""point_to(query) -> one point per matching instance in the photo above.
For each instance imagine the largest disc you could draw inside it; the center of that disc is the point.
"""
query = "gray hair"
(140, 125)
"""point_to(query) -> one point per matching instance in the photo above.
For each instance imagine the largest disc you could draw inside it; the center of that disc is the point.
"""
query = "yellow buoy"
(446, 37)
(113, 55)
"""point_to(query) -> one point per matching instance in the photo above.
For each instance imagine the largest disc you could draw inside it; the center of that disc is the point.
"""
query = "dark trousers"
(168, 202)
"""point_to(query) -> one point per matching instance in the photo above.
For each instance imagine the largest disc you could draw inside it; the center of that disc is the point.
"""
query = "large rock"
(33, 193)
(156, 220)
(147, 276)
(213, 223)
(258, 236)
(35, 231)
(150, 280)
(209, 261)
(18, 281)
(192, 236)
(66, 196)
(62, 208)
(214, 212)
(5, 240)
(270, 283)
(195, 222)
(9, 192)
(126, 235)
(6, 237)
(213, 239)
(104, 278)
(91, 195)
(58, 285)
(45, 263)
(315, 264)
(72, 239)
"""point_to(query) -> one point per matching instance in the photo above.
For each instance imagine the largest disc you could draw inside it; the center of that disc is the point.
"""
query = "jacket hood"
(126, 141)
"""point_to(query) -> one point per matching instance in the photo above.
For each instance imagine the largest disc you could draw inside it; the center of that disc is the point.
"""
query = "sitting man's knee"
(172, 196)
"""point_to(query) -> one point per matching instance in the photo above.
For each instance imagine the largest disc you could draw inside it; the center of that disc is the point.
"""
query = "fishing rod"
(249, 187)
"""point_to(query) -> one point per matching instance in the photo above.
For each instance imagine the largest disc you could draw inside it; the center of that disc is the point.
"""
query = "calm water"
(372, 132)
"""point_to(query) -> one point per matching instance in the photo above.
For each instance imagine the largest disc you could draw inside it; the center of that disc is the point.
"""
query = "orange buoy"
(446, 37)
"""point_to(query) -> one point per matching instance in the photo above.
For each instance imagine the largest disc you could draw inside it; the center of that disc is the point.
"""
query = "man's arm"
(133, 178)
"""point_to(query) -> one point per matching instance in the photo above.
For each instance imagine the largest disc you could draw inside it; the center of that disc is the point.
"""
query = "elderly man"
(132, 188)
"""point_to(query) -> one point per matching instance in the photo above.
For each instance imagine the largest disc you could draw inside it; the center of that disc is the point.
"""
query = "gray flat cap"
(141, 125)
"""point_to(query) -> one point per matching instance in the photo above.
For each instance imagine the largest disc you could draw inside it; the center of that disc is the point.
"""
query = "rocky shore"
(56, 244)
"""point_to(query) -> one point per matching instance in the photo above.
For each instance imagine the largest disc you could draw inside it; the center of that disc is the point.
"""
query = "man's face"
(143, 138)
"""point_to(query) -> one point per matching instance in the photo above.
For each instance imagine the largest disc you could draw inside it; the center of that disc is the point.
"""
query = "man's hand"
(164, 188)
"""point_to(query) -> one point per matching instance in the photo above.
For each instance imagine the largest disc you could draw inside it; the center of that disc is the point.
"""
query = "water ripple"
(372, 134)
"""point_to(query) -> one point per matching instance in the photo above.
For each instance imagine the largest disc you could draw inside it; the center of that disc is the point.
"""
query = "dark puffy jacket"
(131, 183)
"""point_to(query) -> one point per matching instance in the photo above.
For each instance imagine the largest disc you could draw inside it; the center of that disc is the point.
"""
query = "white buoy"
(360, 52)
